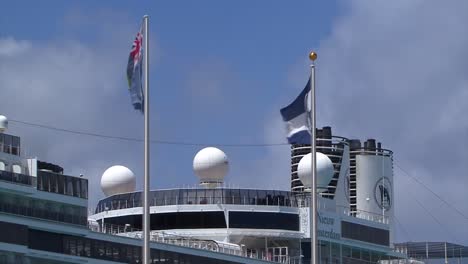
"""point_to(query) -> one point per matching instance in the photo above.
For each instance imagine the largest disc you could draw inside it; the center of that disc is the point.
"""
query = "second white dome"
(118, 179)
(210, 165)
(325, 170)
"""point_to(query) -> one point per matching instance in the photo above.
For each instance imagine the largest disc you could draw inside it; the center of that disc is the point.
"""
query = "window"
(264, 220)
(105, 250)
(2, 166)
(1, 142)
(16, 168)
(365, 233)
(7, 144)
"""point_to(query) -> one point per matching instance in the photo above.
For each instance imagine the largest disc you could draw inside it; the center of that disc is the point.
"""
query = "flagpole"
(313, 188)
(146, 185)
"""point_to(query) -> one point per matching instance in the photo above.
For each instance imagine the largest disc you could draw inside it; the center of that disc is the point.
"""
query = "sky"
(219, 73)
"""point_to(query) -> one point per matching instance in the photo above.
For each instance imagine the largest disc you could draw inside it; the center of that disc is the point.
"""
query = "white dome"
(325, 170)
(117, 179)
(210, 165)
(3, 123)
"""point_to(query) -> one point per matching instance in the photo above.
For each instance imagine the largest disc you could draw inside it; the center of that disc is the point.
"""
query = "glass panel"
(15, 148)
(7, 144)
(191, 196)
(365, 255)
(159, 198)
(244, 196)
(346, 251)
(335, 252)
(201, 194)
(261, 200)
(76, 187)
(61, 185)
(209, 194)
(84, 188)
(52, 182)
(356, 253)
(252, 196)
(217, 196)
(232, 196)
(69, 184)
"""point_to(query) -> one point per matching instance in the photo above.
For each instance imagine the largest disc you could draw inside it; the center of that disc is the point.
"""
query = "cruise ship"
(44, 213)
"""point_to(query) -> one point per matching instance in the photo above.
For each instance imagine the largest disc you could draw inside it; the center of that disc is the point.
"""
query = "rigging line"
(434, 193)
(405, 232)
(435, 219)
(164, 142)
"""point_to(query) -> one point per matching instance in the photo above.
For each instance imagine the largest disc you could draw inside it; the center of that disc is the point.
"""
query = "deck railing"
(190, 242)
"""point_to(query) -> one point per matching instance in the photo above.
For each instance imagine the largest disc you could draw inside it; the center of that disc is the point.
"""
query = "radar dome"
(3, 123)
(325, 170)
(210, 165)
(118, 179)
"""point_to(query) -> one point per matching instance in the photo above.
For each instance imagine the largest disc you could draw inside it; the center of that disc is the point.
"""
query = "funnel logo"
(347, 185)
(382, 194)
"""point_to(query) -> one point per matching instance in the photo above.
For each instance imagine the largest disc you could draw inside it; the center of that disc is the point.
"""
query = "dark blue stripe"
(301, 137)
(297, 107)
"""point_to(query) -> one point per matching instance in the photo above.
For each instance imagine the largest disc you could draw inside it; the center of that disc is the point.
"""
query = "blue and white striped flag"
(297, 118)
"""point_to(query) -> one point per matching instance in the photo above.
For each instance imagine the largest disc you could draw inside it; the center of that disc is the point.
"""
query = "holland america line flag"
(134, 72)
(297, 118)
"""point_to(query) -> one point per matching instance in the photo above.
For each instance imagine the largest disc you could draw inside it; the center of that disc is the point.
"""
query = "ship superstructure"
(44, 219)
(274, 224)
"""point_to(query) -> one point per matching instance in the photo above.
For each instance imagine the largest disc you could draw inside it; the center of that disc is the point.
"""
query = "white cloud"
(10, 46)
(74, 85)
(396, 71)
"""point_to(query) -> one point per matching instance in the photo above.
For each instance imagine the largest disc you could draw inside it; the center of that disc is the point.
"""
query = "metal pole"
(146, 184)
(445, 251)
(313, 189)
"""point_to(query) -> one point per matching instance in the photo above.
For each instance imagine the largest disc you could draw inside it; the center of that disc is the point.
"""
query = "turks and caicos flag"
(297, 118)
(134, 72)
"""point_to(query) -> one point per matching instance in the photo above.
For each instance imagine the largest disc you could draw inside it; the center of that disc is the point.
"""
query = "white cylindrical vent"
(3, 123)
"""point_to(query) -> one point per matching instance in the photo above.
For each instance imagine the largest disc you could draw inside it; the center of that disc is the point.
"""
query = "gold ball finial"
(312, 56)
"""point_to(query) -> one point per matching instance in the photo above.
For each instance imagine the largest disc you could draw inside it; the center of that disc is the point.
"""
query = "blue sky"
(220, 72)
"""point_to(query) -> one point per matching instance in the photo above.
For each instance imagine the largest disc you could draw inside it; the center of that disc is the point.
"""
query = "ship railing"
(183, 241)
(375, 152)
(361, 214)
(200, 197)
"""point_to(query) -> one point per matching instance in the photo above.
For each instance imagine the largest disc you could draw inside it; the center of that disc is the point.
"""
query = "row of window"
(17, 178)
(104, 250)
(46, 181)
(15, 168)
(334, 253)
(21, 205)
(62, 184)
(200, 220)
(365, 233)
(180, 220)
(9, 144)
(200, 196)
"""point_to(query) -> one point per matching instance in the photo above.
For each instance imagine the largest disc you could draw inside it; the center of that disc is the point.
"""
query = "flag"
(297, 118)
(134, 72)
